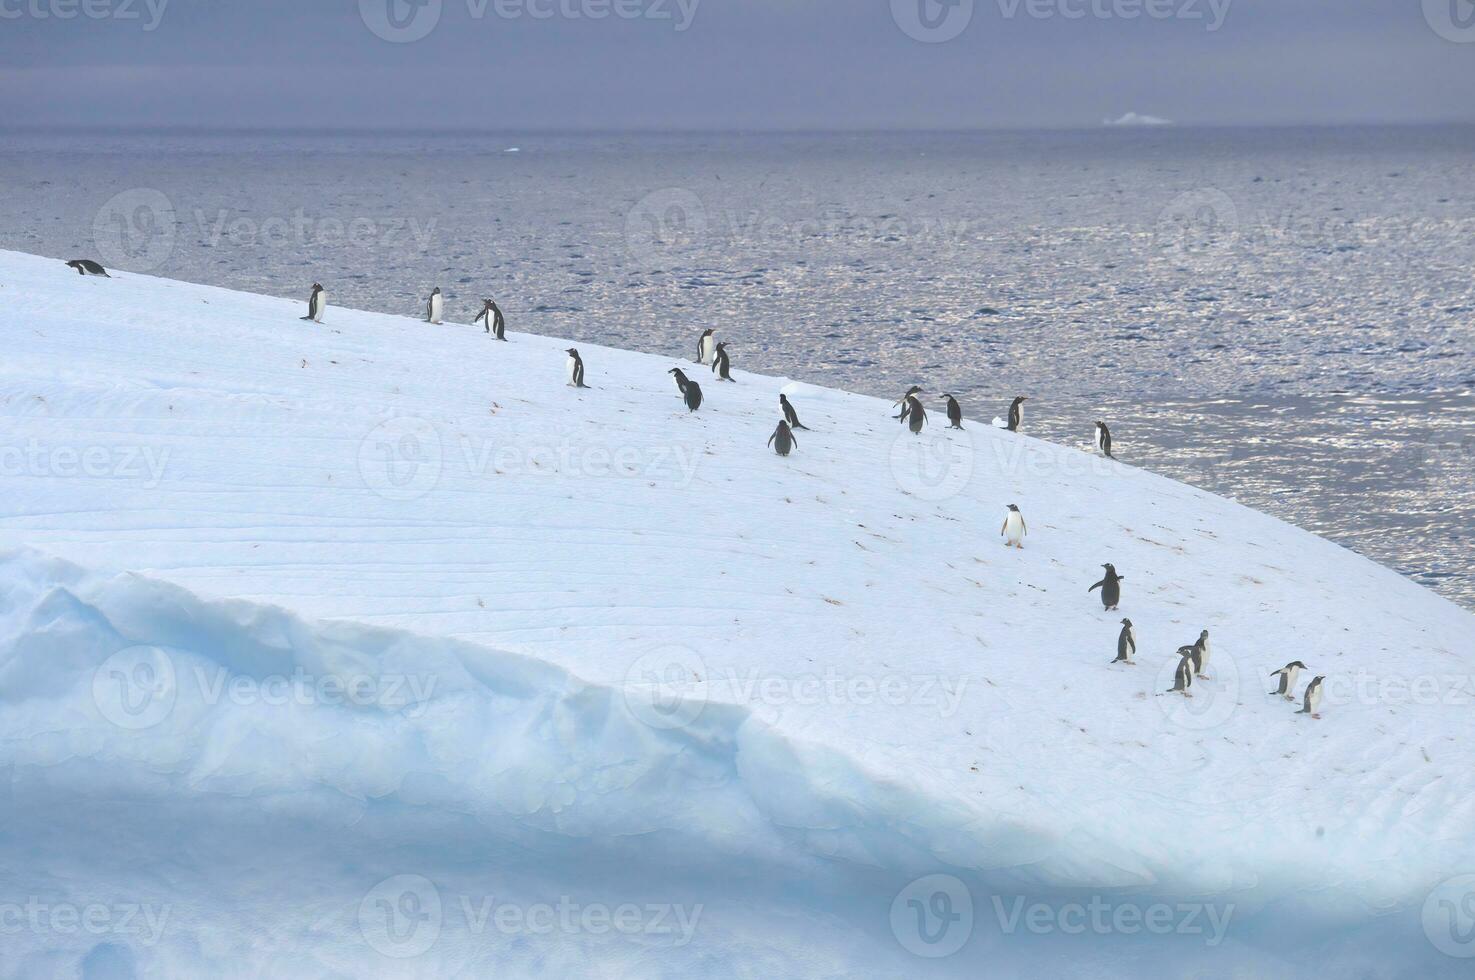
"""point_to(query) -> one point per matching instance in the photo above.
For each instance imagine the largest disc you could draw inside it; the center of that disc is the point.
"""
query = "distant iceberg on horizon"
(1136, 119)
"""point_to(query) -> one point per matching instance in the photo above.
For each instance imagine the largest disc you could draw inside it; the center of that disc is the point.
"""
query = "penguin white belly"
(322, 304)
(1313, 700)
(436, 307)
(572, 370)
(1014, 528)
(1098, 440)
(709, 351)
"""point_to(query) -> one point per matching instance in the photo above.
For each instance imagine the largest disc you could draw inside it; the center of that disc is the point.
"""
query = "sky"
(731, 64)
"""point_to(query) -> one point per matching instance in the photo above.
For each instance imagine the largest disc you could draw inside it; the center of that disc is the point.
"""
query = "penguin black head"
(572, 352)
(1126, 622)
(1297, 664)
(914, 390)
(435, 291)
(1014, 507)
(1110, 568)
(722, 345)
(1021, 398)
(317, 286)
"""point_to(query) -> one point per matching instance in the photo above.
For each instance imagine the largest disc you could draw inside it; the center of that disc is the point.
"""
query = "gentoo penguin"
(1287, 675)
(954, 413)
(435, 307)
(791, 416)
(707, 347)
(720, 363)
(681, 380)
(913, 390)
(317, 303)
(1013, 529)
(1313, 699)
(87, 267)
(1103, 440)
(782, 439)
(1182, 677)
(1201, 655)
(1126, 643)
(1016, 413)
(914, 413)
(491, 315)
(1111, 592)
(693, 395)
(575, 369)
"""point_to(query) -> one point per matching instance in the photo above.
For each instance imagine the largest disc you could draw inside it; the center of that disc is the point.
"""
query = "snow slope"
(603, 652)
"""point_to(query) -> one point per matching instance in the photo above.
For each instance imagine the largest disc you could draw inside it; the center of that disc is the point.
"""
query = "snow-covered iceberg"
(370, 648)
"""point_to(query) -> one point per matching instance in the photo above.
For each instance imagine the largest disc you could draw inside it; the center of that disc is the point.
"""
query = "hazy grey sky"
(731, 63)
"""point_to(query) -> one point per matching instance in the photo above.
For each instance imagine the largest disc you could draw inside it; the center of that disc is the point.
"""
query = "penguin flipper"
(1096, 586)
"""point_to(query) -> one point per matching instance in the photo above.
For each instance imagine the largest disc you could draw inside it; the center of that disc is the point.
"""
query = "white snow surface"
(610, 653)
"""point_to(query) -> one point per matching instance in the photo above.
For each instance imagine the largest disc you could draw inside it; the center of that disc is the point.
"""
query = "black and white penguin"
(1016, 413)
(954, 413)
(791, 416)
(782, 440)
(435, 308)
(720, 364)
(491, 315)
(1126, 643)
(707, 346)
(1288, 675)
(1312, 705)
(317, 303)
(1014, 529)
(913, 390)
(1182, 677)
(87, 267)
(1103, 440)
(693, 396)
(1111, 591)
(1200, 650)
(914, 413)
(681, 380)
(575, 369)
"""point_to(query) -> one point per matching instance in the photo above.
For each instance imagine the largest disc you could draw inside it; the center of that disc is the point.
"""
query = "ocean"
(1281, 316)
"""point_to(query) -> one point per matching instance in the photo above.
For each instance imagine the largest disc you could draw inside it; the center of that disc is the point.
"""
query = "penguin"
(1201, 655)
(1126, 643)
(782, 439)
(1103, 440)
(435, 307)
(87, 267)
(575, 369)
(1312, 705)
(706, 347)
(1287, 675)
(1014, 529)
(720, 364)
(954, 413)
(915, 413)
(681, 380)
(1182, 678)
(1111, 592)
(317, 303)
(491, 315)
(1016, 413)
(693, 394)
(791, 416)
(913, 390)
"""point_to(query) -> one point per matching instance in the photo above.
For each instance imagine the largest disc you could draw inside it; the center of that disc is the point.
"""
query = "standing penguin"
(913, 390)
(1126, 643)
(1111, 591)
(782, 440)
(575, 369)
(87, 267)
(1016, 413)
(1182, 677)
(954, 413)
(791, 416)
(693, 395)
(491, 315)
(720, 364)
(707, 347)
(1013, 529)
(1201, 655)
(915, 413)
(1103, 440)
(436, 307)
(1287, 675)
(1312, 705)
(317, 303)
(681, 380)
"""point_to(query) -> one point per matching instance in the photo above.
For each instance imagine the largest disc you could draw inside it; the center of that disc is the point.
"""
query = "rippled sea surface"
(1282, 316)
